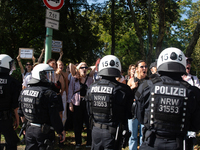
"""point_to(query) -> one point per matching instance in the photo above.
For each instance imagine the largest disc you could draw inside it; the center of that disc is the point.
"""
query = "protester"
(96, 77)
(79, 82)
(153, 68)
(29, 66)
(60, 71)
(140, 76)
(128, 76)
(28, 77)
(194, 81)
(132, 68)
(191, 79)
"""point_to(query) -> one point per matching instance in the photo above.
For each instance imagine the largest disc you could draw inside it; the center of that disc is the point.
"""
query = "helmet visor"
(12, 67)
(47, 76)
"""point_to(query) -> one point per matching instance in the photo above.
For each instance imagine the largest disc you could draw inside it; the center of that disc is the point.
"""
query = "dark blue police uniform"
(168, 107)
(39, 104)
(9, 92)
(109, 106)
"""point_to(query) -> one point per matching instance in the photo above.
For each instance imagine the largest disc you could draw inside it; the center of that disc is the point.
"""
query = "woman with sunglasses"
(140, 74)
(29, 66)
(76, 92)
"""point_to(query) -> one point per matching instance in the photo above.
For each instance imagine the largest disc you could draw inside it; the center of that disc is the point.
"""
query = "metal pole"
(48, 44)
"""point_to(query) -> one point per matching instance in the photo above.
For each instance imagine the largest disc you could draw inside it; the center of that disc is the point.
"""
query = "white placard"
(56, 50)
(51, 24)
(56, 46)
(26, 53)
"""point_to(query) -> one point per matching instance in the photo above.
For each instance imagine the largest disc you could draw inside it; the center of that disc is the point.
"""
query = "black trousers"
(102, 139)
(6, 128)
(35, 138)
(80, 116)
(162, 144)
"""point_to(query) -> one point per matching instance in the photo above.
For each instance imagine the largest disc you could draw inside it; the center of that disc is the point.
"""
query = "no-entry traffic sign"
(54, 4)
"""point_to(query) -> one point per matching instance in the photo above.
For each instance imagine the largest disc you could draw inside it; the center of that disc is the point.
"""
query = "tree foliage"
(142, 29)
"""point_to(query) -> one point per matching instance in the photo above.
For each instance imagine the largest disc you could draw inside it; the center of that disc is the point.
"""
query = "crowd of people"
(52, 95)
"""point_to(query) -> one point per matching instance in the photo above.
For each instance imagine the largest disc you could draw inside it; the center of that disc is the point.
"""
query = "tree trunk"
(137, 29)
(113, 27)
(150, 42)
(161, 33)
(193, 40)
(75, 28)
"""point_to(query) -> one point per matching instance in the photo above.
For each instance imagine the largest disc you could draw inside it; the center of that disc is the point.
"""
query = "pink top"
(75, 86)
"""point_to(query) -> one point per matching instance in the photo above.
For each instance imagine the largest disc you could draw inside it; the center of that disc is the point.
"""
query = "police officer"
(9, 92)
(109, 105)
(39, 105)
(166, 105)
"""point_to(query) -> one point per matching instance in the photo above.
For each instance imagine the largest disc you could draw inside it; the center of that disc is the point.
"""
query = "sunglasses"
(143, 66)
(28, 64)
(83, 67)
(188, 68)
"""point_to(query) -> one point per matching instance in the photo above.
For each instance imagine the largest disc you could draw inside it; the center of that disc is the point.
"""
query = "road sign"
(56, 46)
(51, 24)
(54, 4)
(52, 15)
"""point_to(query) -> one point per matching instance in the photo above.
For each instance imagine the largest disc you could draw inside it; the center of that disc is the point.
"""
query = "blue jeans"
(133, 127)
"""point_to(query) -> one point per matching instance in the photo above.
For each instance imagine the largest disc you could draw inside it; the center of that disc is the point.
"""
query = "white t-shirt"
(26, 80)
(192, 82)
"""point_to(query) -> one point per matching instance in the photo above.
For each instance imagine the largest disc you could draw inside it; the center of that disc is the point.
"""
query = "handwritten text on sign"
(26, 53)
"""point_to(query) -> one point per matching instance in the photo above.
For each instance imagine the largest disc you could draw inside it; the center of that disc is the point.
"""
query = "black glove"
(125, 138)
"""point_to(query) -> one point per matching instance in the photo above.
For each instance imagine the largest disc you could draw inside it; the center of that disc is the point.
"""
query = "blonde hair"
(59, 61)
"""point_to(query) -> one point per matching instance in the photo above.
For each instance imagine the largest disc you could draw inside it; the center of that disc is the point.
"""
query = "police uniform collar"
(109, 78)
(4, 71)
(177, 78)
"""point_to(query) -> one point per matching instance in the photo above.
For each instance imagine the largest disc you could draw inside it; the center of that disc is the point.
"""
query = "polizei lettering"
(30, 93)
(175, 91)
(3, 81)
(101, 89)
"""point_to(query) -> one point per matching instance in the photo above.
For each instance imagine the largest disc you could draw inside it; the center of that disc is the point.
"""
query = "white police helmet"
(7, 64)
(43, 73)
(110, 66)
(171, 60)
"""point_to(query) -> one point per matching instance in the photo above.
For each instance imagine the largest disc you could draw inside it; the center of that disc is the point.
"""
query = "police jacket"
(109, 102)
(9, 92)
(39, 104)
(168, 105)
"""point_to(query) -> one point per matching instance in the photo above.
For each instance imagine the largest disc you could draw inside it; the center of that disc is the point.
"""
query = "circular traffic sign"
(54, 4)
